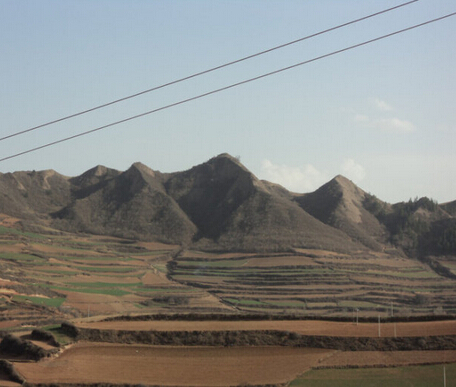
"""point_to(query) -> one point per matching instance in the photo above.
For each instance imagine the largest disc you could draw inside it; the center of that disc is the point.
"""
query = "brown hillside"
(32, 194)
(221, 205)
(133, 204)
(233, 210)
(210, 193)
(341, 204)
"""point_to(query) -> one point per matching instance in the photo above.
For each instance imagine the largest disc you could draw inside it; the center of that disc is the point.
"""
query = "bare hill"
(221, 205)
(234, 210)
(342, 204)
(132, 204)
(31, 194)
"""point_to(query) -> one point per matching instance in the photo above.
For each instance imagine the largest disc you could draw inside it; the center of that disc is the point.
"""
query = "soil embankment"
(261, 338)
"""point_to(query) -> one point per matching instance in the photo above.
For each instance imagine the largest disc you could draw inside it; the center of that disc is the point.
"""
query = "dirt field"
(173, 366)
(99, 303)
(4, 382)
(319, 328)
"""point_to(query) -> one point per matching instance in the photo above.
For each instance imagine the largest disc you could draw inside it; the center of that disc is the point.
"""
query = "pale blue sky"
(383, 115)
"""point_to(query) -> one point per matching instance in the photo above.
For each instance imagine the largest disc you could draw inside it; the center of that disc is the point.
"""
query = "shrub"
(42, 335)
(18, 347)
(69, 329)
(8, 369)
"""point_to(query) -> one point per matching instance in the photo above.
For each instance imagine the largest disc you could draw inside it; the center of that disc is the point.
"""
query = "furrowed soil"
(171, 366)
(317, 328)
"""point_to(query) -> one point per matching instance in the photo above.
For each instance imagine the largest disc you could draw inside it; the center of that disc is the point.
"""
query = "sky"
(382, 115)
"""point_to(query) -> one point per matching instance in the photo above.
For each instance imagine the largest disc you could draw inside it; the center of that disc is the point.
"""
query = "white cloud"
(352, 170)
(395, 125)
(361, 118)
(386, 124)
(297, 179)
(382, 105)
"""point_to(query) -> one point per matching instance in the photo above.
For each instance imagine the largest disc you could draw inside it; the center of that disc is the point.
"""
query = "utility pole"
(379, 326)
(357, 310)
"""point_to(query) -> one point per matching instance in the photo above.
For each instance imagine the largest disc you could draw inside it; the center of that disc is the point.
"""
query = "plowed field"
(317, 328)
(183, 366)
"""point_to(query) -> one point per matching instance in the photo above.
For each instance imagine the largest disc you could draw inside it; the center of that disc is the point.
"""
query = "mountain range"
(220, 205)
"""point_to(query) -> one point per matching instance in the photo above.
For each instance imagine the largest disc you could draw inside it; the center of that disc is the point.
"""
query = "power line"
(205, 71)
(230, 86)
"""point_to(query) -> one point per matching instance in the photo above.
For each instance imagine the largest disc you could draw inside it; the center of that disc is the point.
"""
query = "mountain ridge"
(221, 205)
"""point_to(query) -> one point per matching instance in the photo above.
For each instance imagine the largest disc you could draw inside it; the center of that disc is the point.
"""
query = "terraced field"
(63, 276)
(319, 283)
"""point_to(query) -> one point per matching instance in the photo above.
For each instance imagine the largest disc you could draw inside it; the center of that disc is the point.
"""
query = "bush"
(69, 329)
(16, 346)
(42, 335)
(8, 369)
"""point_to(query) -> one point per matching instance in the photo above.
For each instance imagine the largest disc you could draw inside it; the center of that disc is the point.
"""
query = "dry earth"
(171, 366)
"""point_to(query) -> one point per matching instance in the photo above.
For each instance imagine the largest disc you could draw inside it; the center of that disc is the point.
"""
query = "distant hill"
(132, 204)
(343, 205)
(220, 205)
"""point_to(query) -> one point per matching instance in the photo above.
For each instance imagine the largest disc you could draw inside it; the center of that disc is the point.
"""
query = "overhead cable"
(230, 86)
(204, 72)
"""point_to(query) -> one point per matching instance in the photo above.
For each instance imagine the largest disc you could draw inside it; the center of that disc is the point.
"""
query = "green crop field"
(19, 257)
(414, 376)
(43, 301)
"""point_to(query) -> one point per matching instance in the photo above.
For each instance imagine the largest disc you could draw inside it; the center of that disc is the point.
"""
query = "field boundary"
(274, 317)
(259, 338)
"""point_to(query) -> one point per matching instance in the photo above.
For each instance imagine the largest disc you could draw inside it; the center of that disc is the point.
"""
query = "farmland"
(136, 364)
(313, 282)
(237, 364)
(414, 376)
(68, 276)
(304, 327)
(65, 276)
(92, 280)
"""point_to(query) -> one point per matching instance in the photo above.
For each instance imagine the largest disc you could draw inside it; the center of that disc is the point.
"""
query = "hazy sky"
(382, 115)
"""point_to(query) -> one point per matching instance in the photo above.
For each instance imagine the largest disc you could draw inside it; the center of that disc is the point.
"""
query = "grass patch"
(415, 376)
(19, 257)
(213, 263)
(246, 302)
(56, 330)
(165, 290)
(60, 272)
(13, 231)
(102, 285)
(151, 253)
(289, 304)
(106, 269)
(42, 301)
(108, 292)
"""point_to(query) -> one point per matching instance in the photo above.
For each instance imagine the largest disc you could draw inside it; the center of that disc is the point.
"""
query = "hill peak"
(143, 168)
(225, 157)
(93, 176)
